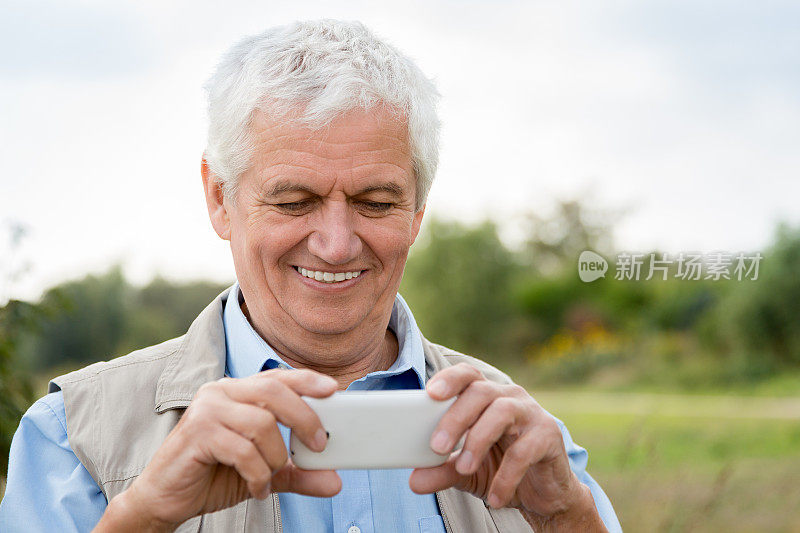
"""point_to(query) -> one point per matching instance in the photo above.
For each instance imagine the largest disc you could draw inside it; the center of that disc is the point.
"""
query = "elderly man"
(322, 148)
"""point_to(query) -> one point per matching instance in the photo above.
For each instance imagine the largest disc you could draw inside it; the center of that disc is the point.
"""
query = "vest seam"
(168, 369)
(492, 517)
(113, 366)
(123, 478)
(93, 391)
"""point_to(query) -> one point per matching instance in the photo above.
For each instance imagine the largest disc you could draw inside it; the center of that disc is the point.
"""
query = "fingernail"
(494, 500)
(464, 462)
(440, 442)
(438, 388)
(321, 439)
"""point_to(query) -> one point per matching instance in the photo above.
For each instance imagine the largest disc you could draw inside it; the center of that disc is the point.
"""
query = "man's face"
(338, 203)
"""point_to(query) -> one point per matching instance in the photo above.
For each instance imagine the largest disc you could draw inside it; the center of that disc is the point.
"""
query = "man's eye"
(293, 207)
(376, 207)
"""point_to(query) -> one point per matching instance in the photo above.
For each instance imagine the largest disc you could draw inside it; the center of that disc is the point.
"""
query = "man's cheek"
(392, 237)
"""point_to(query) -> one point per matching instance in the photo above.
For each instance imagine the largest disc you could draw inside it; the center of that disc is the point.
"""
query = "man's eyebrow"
(392, 188)
(281, 187)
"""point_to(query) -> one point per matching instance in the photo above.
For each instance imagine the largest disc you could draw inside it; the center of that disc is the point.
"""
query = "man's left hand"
(513, 454)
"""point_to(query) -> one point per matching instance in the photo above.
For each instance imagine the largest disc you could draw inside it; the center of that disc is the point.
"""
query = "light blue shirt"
(48, 489)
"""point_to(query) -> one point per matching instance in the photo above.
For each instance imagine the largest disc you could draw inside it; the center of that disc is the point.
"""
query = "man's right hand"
(226, 448)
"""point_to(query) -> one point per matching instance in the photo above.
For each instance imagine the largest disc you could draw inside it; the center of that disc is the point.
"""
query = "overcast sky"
(685, 113)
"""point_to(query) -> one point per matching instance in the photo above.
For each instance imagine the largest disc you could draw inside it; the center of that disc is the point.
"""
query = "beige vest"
(119, 412)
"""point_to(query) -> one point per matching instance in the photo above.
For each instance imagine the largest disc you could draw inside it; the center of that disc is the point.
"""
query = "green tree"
(758, 322)
(103, 316)
(88, 323)
(553, 243)
(17, 320)
(162, 310)
(458, 281)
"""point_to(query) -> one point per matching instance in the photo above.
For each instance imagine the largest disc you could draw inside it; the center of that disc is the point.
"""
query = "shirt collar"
(247, 353)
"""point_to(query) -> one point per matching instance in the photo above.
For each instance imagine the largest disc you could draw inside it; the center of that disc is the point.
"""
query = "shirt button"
(354, 529)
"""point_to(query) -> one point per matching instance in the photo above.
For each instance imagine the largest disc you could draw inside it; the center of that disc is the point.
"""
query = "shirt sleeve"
(578, 457)
(48, 489)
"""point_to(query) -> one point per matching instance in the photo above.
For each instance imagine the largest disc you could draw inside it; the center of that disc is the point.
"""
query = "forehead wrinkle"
(377, 123)
(374, 136)
(403, 170)
(300, 159)
(276, 168)
(359, 149)
(317, 153)
(269, 133)
(315, 170)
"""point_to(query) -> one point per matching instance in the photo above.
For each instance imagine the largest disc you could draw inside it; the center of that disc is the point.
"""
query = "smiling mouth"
(328, 277)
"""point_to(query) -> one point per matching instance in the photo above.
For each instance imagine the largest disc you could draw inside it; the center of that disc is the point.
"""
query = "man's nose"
(334, 239)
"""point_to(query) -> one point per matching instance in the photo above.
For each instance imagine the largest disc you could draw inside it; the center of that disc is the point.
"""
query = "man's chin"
(332, 324)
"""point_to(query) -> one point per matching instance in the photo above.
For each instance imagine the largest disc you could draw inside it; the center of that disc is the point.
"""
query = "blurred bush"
(103, 316)
(756, 326)
(457, 283)
(16, 390)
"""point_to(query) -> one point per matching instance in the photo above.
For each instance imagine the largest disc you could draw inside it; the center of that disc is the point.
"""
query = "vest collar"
(200, 358)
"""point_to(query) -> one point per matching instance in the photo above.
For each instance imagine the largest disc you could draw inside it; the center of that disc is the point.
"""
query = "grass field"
(674, 463)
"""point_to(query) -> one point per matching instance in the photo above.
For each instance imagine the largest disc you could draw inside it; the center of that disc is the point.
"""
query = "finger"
(432, 479)
(302, 381)
(274, 395)
(320, 483)
(231, 449)
(496, 420)
(542, 443)
(451, 381)
(463, 413)
(259, 426)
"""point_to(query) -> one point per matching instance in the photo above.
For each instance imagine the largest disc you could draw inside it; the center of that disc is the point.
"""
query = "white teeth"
(328, 277)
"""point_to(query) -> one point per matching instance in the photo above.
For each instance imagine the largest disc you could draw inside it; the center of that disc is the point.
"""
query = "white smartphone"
(373, 430)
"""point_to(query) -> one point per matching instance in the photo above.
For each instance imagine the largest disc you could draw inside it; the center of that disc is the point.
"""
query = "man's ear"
(416, 224)
(217, 210)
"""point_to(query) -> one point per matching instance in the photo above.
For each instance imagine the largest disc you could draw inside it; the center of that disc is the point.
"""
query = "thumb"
(432, 479)
(320, 483)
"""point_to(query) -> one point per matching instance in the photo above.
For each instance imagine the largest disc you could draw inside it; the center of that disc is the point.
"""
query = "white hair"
(322, 69)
